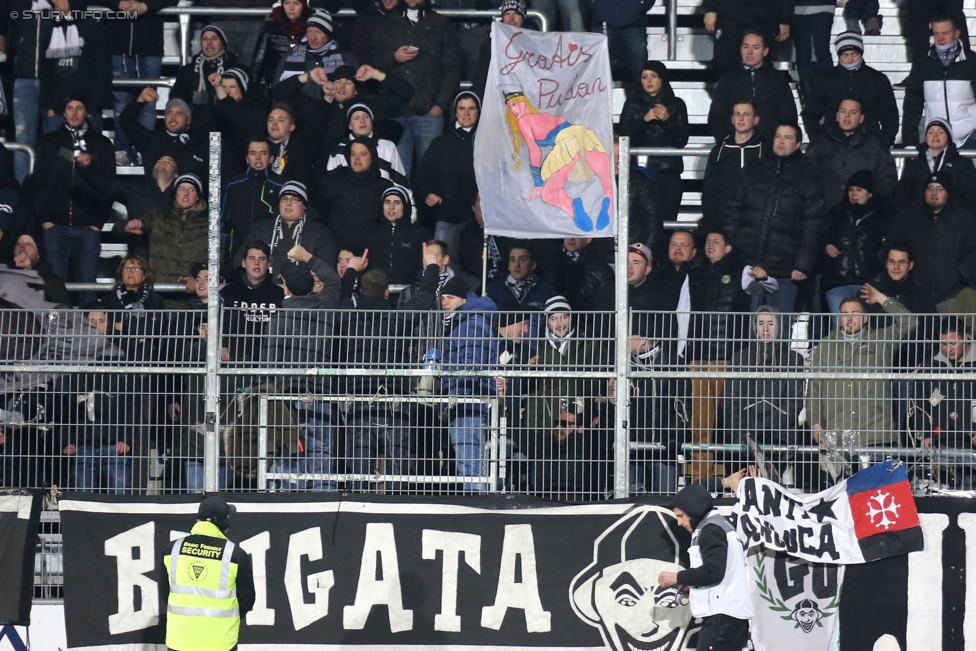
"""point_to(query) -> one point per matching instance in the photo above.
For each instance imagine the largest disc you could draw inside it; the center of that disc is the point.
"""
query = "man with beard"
(173, 137)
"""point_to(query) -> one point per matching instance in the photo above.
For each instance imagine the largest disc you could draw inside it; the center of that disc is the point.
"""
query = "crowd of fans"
(347, 168)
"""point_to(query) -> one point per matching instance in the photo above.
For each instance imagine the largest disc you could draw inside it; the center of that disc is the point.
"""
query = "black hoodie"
(350, 201)
(447, 170)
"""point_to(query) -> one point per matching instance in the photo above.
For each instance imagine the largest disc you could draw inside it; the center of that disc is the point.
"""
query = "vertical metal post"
(210, 450)
(621, 445)
(184, 39)
(672, 30)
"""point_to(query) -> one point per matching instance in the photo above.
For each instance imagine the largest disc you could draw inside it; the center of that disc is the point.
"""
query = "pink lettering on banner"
(564, 56)
(552, 95)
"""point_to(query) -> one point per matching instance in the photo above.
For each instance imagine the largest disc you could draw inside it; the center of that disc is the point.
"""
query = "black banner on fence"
(19, 518)
(479, 573)
(485, 573)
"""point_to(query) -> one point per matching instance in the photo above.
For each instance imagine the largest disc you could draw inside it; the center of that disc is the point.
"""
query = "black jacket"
(238, 121)
(858, 233)
(766, 86)
(646, 214)
(191, 157)
(723, 175)
(140, 37)
(371, 336)
(447, 170)
(873, 88)
(300, 335)
(944, 247)
(586, 281)
(778, 216)
(838, 156)
(741, 14)
(915, 174)
(247, 200)
(928, 87)
(716, 295)
(397, 249)
(435, 73)
(316, 238)
(671, 133)
(29, 40)
(67, 193)
(351, 203)
(188, 78)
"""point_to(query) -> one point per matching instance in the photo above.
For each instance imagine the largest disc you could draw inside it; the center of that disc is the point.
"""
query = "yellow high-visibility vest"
(202, 611)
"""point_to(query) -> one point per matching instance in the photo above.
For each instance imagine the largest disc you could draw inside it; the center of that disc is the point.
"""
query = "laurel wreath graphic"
(777, 605)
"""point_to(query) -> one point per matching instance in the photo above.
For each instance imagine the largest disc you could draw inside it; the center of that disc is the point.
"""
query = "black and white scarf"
(559, 343)
(132, 300)
(182, 137)
(572, 255)
(78, 139)
(494, 258)
(278, 233)
(521, 288)
(415, 15)
(65, 42)
(948, 53)
(200, 95)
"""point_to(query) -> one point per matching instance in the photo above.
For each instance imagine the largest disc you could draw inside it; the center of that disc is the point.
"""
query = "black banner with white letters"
(490, 573)
(481, 573)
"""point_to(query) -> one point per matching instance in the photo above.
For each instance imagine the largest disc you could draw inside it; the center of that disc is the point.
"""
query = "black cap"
(694, 500)
(214, 508)
(198, 267)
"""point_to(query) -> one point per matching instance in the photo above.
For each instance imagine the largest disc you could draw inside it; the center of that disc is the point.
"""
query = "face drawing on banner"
(806, 614)
(618, 592)
(574, 155)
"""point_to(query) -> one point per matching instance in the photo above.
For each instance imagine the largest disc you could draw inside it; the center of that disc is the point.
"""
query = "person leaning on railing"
(847, 402)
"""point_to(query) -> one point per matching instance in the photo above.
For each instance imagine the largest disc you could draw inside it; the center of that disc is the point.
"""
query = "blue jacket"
(533, 301)
(471, 345)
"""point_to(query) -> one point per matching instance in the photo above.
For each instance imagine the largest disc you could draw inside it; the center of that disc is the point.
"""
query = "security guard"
(211, 586)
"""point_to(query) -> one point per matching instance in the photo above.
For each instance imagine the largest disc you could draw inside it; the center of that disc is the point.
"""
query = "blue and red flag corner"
(883, 509)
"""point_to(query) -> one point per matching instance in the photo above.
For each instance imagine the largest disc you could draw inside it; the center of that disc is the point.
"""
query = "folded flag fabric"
(869, 516)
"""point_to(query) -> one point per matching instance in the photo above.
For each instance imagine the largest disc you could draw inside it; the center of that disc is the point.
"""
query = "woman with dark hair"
(283, 30)
(656, 118)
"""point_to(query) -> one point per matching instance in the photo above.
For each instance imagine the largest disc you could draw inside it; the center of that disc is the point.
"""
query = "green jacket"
(177, 239)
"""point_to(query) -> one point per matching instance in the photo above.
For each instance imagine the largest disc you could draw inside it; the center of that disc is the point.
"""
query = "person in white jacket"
(717, 578)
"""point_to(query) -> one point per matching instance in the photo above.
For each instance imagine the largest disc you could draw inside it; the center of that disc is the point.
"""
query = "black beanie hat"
(658, 67)
(298, 279)
(694, 500)
(861, 179)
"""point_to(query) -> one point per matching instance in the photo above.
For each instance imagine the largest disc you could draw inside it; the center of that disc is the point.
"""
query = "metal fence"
(448, 403)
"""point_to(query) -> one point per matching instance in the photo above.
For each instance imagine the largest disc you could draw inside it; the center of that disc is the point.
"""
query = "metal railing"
(26, 149)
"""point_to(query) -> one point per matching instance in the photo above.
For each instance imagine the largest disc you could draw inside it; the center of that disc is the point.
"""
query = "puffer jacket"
(436, 71)
(916, 172)
(447, 170)
(769, 408)
(858, 233)
(778, 216)
(943, 92)
(872, 87)
(837, 157)
(274, 44)
(766, 86)
(716, 329)
(471, 345)
(944, 247)
(351, 202)
(177, 239)
(723, 175)
(857, 403)
(673, 132)
(646, 214)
